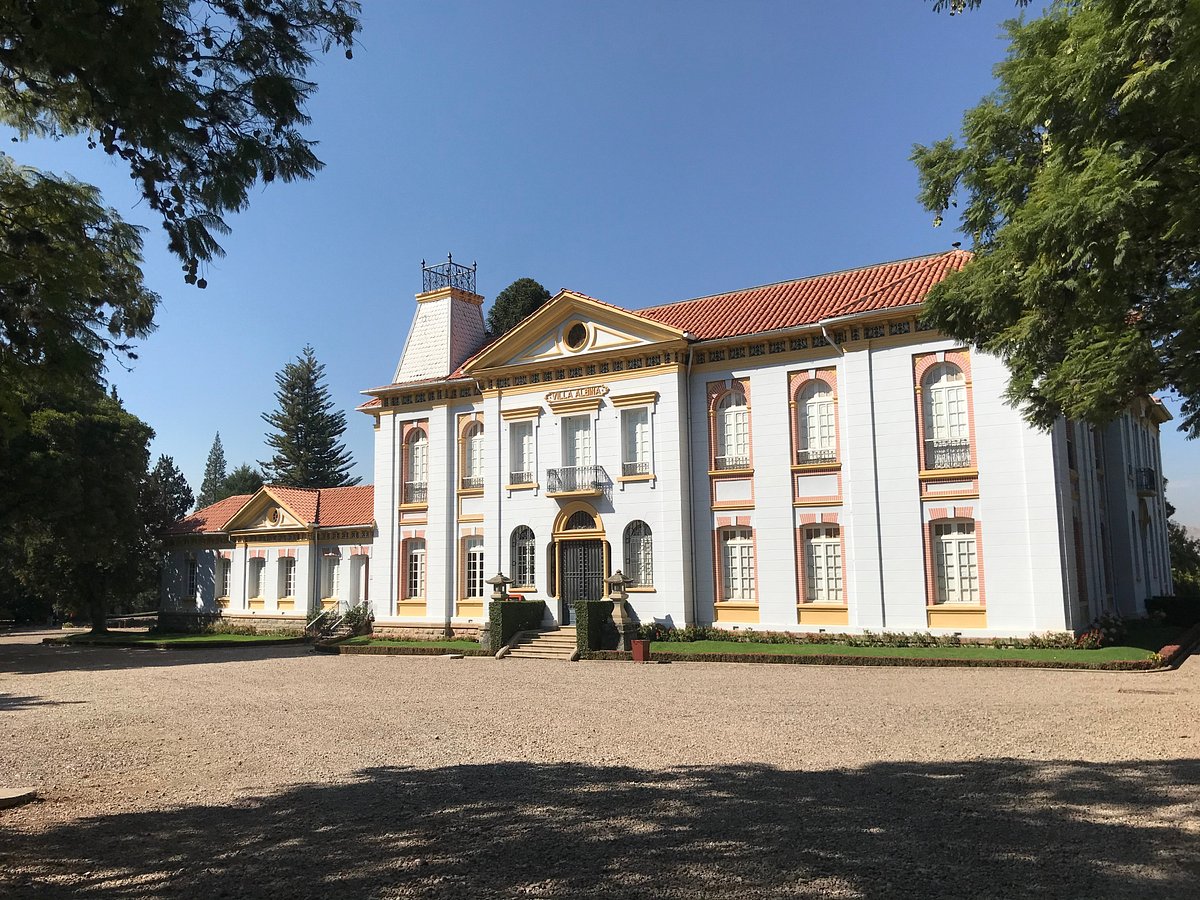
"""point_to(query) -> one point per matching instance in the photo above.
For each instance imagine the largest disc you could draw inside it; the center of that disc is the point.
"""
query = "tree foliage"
(307, 440)
(514, 303)
(72, 525)
(201, 98)
(1080, 178)
(245, 479)
(71, 286)
(167, 496)
(1185, 560)
(212, 488)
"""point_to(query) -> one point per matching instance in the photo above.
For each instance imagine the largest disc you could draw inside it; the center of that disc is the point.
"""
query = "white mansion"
(803, 455)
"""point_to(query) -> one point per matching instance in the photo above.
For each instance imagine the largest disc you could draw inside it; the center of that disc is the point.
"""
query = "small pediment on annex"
(572, 326)
(266, 512)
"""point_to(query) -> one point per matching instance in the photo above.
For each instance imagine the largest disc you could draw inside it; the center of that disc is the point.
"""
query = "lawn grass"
(134, 638)
(369, 641)
(1105, 654)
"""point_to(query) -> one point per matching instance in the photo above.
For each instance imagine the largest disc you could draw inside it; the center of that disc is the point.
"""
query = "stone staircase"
(546, 643)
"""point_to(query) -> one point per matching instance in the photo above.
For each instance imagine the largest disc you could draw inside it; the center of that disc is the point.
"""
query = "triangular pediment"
(265, 512)
(568, 327)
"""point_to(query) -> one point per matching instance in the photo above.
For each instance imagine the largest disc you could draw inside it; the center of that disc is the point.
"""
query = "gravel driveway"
(281, 773)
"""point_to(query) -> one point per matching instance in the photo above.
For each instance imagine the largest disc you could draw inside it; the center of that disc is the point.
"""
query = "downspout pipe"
(687, 445)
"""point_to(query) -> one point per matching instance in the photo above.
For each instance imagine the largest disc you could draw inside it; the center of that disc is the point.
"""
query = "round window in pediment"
(274, 516)
(577, 336)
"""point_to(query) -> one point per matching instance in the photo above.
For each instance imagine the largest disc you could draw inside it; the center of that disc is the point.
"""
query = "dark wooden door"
(581, 574)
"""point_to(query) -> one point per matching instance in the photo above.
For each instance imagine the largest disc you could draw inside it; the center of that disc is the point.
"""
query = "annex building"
(801, 455)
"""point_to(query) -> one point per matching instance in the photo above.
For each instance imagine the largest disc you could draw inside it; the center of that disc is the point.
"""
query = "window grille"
(639, 555)
(823, 564)
(737, 564)
(524, 555)
(957, 563)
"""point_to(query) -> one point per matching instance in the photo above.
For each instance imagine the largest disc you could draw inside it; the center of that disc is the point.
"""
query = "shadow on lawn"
(1001, 828)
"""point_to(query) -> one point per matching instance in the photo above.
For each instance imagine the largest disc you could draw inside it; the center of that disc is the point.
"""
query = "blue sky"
(639, 152)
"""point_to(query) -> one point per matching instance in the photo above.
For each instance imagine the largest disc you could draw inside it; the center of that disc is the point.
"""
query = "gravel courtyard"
(282, 773)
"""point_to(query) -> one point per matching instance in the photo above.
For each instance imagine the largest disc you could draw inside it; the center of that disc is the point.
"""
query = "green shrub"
(507, 617)
(594, 628)
(1061, 640)
(1180, 610)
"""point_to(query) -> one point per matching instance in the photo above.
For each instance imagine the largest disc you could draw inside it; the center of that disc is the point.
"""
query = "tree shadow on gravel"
(37, 658)
(1000, 828)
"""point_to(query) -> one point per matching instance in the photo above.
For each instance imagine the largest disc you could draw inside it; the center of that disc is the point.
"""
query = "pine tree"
(167, 496)
(243, 480)
(308, 452)
(212, 488)
(514, 303)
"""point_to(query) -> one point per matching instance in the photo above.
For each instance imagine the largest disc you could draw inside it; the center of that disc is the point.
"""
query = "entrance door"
(581, 574)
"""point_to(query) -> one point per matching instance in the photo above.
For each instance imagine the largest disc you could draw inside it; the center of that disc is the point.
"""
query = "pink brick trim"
(829, 518)
(922, 362)
(939, 512)
(743, 521)
(808, 518)
(724, 521)
(796, 383)
(964, 512)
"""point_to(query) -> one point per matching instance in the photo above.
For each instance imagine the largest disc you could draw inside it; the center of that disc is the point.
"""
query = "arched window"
(414, 568)
(957, 561)
(416, 466)
(472, 471)
(816, 424)
(733, 432)
(524, 552)
(639, 555)
(737, 564)
(947, 429)
(580, 521)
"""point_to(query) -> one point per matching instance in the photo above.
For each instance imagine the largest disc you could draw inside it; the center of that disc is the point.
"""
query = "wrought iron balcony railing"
(1146, 480)
(636, 468)
(948, 453)
(816, 455)
(732, 462)
(576, 480)
(471, 482)
(448, 274)
(415, 492)
(520, 478)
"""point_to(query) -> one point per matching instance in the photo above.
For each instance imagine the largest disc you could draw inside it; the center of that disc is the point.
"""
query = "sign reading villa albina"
(581, 393)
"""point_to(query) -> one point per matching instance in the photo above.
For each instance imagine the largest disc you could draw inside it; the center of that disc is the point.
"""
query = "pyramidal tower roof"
(448, 326)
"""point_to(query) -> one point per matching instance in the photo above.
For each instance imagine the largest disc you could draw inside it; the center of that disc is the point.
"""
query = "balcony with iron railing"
(948, 453)
(415, 493)
(635, 467)
(471, 483)
(721, 463)
(576, 481)
(813, 455)
(1146, 480)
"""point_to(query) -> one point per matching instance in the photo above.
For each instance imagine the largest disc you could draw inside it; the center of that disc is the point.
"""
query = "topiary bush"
(507, 617)
(594, 628)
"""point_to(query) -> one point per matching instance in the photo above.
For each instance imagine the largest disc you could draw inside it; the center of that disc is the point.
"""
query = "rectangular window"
(414, 581)
(737, 564)
(473, 553)
(192, 585)
(287, 577)
(226, 575)
(520, 439)
(957, 564)
(576, 441)
(358, 576)
(258, 578)
(331, 585)
(823, 565)
(635, 441)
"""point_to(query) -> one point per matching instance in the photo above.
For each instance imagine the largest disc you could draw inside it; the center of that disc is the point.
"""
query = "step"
(536, 654)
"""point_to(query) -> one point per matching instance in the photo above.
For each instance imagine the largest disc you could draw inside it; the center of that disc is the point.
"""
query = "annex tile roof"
(338, 507)
(805, 301)
(210, 518)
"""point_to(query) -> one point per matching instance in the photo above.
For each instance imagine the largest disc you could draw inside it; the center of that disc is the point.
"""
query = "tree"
(71, 285)
(1081, 182)
(73, 481)
(1185, 560)
(308, 452)
(243, 480)
(167, 496)
(201, 98)
(514, 303)
(212, 488)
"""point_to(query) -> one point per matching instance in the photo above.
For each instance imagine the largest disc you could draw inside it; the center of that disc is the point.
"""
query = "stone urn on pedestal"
(622, 620)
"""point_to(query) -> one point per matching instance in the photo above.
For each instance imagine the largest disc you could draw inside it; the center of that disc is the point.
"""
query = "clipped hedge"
(1122, 665)
(594, 628)
(507, 617)
(393, 650)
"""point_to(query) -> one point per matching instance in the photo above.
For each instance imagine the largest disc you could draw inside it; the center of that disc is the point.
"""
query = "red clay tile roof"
(210, 518)
(806, 301)
(324, 507)
(347, 506)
